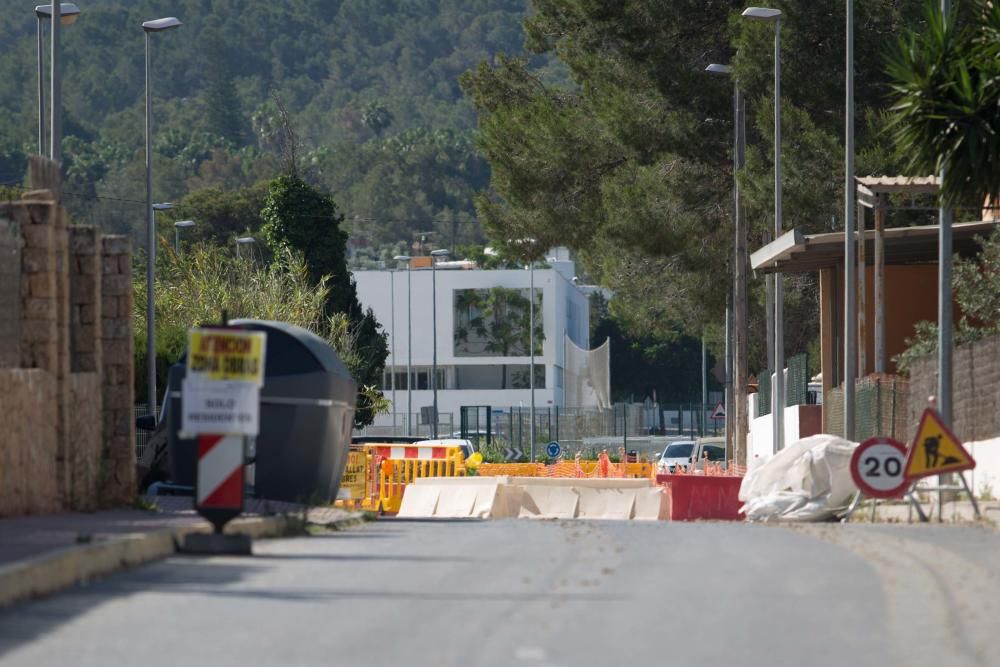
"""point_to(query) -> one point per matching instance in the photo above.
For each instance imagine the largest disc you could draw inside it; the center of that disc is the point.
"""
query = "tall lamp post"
(149, 27)
(434, 370)
(244, 240)
(409, 344)
(850, 271)
(531, 344)
(68, 13)
(392, 342)
(736, 409)
(178, 226)
(768, 15)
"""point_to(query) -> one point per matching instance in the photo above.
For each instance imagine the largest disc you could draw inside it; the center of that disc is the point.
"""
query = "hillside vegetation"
(370, 88)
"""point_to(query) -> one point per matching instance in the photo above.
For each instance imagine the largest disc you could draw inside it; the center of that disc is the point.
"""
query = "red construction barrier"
(691, 497)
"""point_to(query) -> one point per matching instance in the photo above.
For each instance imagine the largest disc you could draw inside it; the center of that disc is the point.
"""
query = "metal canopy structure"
(870, 187)
(794, 252)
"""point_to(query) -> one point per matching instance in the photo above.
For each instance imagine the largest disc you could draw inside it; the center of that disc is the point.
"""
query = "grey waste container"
(306, 417)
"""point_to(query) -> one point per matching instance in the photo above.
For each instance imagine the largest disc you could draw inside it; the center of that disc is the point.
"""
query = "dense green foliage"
(631, 164)
(370, 87)
(947, 101)
(195, 287)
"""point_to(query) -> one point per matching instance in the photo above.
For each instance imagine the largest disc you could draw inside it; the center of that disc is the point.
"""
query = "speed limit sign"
(877, 468)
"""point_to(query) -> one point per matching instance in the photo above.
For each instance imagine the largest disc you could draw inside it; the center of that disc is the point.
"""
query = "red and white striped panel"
(220, 471)
(403, 452)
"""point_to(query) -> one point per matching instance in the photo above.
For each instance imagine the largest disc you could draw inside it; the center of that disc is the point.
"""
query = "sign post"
(935, 451)
(220, 399)
(877, 470)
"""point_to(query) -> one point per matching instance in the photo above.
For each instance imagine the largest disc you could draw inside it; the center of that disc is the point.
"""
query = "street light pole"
(178, 226)
(531, 343)
(409, 344)
(41, 87)
(778, 390)
(434, 388)
(850, 271)
(54, 61)
(392, 342)
(736, 406)
(944, 291)
(148, 27)
(243, 240)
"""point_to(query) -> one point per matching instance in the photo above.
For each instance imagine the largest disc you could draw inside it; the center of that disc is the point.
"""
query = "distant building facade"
(483, 353)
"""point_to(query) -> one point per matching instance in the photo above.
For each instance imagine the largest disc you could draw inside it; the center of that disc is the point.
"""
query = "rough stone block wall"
(117, 368)
(85, 299)
(85, 464)
(975, 389)
(10, 296)
(28, 444)
(39, 297)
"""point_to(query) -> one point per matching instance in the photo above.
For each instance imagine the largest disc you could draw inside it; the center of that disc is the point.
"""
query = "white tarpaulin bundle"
(810, 480)
(587, 375)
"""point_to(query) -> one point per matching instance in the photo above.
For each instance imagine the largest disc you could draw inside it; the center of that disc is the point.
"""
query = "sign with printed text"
(353, 482)
(220, 407)
(226, 355)
(877, 468)
(935, 450)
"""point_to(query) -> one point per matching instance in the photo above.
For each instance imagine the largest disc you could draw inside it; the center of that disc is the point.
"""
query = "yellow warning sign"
(935, 450)
(352, 484)
(226, 355)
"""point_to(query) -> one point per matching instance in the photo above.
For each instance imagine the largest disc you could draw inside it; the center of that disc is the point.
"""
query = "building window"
(421, 378)
(498, 376)
(494, 322)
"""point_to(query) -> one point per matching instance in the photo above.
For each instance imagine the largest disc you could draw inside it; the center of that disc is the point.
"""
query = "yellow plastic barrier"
(391, 475)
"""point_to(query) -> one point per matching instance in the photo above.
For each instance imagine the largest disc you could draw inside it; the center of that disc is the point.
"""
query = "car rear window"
(678, 450)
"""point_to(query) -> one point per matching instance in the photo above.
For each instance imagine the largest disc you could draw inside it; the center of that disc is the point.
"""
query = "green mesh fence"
(764, 393)
(880, 405)
(797, 380)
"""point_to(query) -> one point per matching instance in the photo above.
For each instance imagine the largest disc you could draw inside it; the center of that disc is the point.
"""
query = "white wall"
(986, 475)
(760, 441)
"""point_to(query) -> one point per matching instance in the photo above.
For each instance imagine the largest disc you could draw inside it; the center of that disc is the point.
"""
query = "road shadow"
(28, 621)
(371, 558)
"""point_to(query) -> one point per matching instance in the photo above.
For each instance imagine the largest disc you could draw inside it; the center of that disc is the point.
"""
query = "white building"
(483, 355)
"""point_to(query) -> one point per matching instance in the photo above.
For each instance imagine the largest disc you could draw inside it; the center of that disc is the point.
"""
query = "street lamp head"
(245, 240)
(440, 253)
(159, 25)
(765, 14)
(721, 70)
(183, 224)
(67, 10)
(402, 258)
(165, 206)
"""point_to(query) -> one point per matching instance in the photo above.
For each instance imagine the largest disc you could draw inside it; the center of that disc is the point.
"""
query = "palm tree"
(946, 88)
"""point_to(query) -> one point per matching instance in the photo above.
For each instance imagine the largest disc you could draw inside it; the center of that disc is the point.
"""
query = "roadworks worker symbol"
(935, 450)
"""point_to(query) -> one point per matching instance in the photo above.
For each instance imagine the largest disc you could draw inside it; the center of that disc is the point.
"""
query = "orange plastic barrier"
(691, 497)
(601, 468)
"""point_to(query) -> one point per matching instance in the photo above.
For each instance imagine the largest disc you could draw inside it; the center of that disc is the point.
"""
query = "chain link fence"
(880, 408)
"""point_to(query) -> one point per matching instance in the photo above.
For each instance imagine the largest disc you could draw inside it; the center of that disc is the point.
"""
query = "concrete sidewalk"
(43, 554)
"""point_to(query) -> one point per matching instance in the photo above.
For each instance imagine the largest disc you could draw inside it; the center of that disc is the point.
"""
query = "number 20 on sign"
(877, 468)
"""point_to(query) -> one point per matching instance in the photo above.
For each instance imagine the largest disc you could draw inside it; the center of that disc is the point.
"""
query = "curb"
(70, 566)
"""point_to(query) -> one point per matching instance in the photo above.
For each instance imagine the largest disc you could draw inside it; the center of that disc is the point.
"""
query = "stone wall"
(28, 446)
(66, 425)
(10, 299)
(975, 389)
(117, 367)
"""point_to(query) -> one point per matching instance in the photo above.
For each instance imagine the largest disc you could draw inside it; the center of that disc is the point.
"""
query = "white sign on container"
(220, 407)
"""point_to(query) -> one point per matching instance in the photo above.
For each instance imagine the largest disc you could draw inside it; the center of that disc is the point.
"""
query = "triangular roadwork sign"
(719, 412)
(935, 450)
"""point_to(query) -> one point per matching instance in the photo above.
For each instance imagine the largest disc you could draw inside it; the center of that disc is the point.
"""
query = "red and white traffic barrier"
(219, 483)
(403, 452)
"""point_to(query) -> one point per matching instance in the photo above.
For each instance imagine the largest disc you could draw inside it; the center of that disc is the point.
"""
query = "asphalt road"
(541, 593)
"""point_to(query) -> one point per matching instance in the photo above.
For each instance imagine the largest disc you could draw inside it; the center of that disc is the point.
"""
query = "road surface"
(541, 593)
